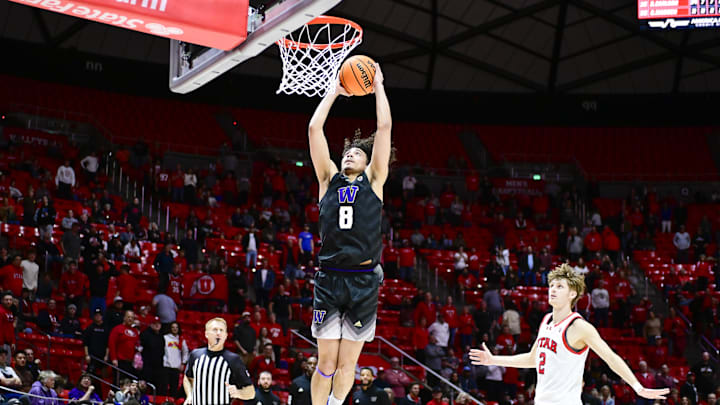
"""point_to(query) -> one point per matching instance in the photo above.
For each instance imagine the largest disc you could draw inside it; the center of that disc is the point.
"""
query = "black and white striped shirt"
(210, 371)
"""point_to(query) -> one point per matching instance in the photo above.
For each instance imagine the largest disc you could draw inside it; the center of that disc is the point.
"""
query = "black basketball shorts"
(345, 304)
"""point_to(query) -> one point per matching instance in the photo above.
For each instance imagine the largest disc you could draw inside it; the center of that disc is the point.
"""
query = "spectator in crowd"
(74, 285)
(45, 217)
(29, 204)
(65, 180)
(505, 342)
(165, 308)
(426, 309)
(420, 339)
(174, 359)
(412, 397)
(652, 330)
(682, 240)
(11, 276)
(581, 267)
(72, 244)
(280, 306)
(48, 320)
(84, 390)
(244, 335)
(461, 259)
(32, 362)
(263, 392)
(606, 397)
(705, 371)
(116, 313)
(90, 164)
(437, 395)
(164, 264)
(511, 319)
(300, 386)
(189, 185)
(434, 354)
(122, 344)
(23, 371)
(646, 378)
(406, 261)
(8, 376)
(666, 215)
(664, 379)
(132, 251)
(251, 243)
(99, 281)
(67, 223)
(190, 246)
(574, 244)
(690, 389)
(527, 267)
(307, 245)
(494, 380)
(440, 330)
(494, 302)
(263, 362)
(95, 341)
(369, 393)
(70, 324)
(396, 377)
(600, 299)
(30, 273)
(264, 282)
(44, 388)
(153, 352)
(408, 186)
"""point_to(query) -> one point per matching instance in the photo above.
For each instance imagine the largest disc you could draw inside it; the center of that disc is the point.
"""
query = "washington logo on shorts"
(319, 315)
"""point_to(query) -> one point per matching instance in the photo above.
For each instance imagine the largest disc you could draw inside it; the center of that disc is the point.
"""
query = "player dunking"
(560, 350)
(346, 287)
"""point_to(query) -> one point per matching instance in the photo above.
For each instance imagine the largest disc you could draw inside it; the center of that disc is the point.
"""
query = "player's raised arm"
(382, 146)
(319, 150)
(483, 357)
(583, 331)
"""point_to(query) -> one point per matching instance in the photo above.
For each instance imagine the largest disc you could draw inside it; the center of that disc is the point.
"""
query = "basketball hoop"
(311, 57)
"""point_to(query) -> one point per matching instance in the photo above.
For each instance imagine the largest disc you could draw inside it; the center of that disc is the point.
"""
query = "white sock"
(334, 401)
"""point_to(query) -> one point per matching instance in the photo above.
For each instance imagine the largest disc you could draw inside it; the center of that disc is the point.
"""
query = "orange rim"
(326, 19)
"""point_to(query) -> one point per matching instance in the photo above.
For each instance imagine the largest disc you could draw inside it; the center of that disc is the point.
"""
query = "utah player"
(561, 347)
(346, 286)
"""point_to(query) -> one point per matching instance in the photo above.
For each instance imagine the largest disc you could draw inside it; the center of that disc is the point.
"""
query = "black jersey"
(350, 218)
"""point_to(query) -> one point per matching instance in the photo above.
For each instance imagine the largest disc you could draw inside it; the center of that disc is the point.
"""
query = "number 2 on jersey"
(541, 366)
(345, 217)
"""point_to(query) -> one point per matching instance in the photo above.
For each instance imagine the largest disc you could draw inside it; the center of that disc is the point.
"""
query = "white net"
(312, 56)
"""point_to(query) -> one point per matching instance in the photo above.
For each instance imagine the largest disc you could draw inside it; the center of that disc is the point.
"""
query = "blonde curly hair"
(575, 281)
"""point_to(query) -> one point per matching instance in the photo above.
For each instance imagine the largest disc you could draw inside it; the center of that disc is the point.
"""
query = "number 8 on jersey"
(346, 195)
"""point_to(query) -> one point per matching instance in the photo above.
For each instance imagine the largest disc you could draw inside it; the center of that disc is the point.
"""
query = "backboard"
(192, 66)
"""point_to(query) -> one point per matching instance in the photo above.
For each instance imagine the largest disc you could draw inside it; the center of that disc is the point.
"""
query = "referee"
(215, 376)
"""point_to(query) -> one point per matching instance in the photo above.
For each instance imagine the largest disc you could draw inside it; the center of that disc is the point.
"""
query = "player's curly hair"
(575, 281)
(365, 145)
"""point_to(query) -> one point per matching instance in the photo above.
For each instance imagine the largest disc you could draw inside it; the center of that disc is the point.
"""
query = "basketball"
(357, 75)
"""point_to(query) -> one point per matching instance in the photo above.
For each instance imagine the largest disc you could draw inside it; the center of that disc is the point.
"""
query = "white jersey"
(559, 367)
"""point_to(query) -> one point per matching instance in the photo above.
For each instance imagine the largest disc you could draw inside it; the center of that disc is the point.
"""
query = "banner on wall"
(506, 186)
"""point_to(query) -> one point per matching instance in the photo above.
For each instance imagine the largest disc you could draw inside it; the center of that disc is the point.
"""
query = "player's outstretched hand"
(653, 393)
(379, 78)
(340, 90)
(481, 357)
(232, 390)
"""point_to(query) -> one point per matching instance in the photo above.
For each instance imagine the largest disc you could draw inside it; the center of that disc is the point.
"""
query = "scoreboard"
(668, 14)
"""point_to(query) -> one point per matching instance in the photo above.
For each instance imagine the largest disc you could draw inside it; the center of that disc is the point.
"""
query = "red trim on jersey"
(545, 319)
(566, 318)
(564, 337)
